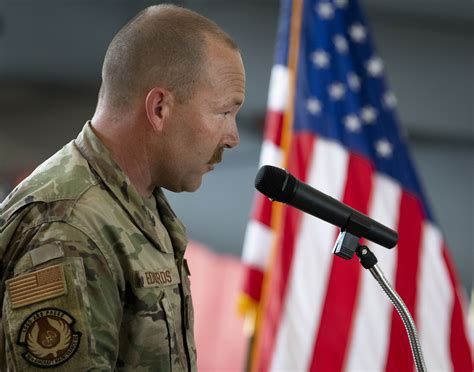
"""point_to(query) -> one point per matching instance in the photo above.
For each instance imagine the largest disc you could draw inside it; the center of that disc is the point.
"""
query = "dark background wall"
(50, 59)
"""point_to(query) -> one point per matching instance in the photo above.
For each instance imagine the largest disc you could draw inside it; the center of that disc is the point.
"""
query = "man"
(93, 269)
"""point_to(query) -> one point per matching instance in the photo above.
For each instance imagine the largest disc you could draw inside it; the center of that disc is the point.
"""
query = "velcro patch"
(157, 278)
(46, 253)
(37, 286)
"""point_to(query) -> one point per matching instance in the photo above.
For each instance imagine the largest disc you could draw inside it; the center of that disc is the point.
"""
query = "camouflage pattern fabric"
(93, 276)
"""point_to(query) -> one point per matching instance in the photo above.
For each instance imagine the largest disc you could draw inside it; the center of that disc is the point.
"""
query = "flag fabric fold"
(331, 122)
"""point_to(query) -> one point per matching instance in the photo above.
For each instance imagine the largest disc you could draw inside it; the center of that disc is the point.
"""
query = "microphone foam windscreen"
(269, 181)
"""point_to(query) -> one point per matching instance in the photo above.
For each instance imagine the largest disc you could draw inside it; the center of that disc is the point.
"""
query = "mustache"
(217, 156)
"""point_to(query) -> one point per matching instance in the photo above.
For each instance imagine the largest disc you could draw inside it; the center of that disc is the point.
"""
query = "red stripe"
(335, 326)
(410, 225)
(253, 278)
(458, 342)
(300, 154)
(262, 211)
(274, 126)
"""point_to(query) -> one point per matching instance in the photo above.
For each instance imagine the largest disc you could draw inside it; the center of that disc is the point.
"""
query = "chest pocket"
(151, 333)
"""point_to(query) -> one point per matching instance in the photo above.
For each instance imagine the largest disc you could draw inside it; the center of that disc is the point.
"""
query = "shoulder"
(52, 189)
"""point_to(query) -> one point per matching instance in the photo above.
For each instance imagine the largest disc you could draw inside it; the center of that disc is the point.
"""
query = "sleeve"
(62, 307)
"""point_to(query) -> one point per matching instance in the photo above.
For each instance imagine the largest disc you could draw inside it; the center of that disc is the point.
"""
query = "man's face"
(205, 125)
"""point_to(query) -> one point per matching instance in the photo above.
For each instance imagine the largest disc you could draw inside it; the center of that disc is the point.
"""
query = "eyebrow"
(235, 102)
(231, 102)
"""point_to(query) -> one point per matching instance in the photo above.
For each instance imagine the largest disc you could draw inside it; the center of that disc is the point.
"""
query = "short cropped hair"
(162, 45)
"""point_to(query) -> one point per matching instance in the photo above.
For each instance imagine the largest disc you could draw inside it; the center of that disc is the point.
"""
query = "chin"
(192, 186)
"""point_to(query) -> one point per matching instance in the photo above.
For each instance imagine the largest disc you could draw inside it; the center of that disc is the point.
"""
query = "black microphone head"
(276, 183)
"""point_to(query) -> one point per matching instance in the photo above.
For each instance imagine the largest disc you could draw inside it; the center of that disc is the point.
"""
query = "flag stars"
(320, 58)
(340, 43)
(369, 114)
(375, 66)
(341, 3)
(313, 106)
(384, 148)
(325, 10)
(354, 81)
(389, 100)
(358, 33)
(336, 91)
(352, 123)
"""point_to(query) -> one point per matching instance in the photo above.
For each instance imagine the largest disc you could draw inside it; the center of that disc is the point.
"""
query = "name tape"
(160, 278)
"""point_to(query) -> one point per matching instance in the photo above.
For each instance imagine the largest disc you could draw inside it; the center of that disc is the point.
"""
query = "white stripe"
(372, 321)
(257, 244)
(278, 90)
(258, 237)
(435, 303)
(271, 154)
(311, 262)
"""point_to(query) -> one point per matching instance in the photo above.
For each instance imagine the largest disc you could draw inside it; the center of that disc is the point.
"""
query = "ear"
(158, 105)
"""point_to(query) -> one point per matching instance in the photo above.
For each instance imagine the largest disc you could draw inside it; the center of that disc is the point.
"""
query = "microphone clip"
(347, 242)
(346, 245)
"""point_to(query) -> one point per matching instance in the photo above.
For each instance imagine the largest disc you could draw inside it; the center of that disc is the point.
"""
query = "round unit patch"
(48, 337)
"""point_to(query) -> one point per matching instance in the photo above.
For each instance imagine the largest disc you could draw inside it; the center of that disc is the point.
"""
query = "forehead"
(224, 71)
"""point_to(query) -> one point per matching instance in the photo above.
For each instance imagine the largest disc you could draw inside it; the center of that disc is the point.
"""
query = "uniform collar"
(133, 203)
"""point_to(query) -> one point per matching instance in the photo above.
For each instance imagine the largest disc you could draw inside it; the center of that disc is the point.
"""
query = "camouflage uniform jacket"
(93, 276)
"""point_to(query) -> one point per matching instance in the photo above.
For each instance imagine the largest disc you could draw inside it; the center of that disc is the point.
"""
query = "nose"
(232, 138)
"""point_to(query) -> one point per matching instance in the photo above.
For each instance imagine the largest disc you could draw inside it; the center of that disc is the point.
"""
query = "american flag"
(331, 122)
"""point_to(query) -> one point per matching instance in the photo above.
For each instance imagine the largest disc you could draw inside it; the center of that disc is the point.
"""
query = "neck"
(127, 142)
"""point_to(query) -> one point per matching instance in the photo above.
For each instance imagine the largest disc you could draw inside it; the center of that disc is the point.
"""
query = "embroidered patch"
(48, 337)
(36, 286)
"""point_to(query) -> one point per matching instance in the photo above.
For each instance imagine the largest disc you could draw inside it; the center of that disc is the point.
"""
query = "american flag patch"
(36, 286)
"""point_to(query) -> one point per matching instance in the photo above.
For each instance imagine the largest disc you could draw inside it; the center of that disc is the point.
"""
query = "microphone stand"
(346, 245)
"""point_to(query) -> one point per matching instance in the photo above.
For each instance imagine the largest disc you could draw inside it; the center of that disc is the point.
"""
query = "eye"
(226, 113)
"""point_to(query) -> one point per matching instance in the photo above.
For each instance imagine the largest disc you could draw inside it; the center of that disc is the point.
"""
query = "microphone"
(279, 185)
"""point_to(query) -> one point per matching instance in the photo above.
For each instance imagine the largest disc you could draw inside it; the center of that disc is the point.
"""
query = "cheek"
(209, 133)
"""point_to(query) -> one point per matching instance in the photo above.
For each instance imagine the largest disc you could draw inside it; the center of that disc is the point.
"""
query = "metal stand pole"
(346, 245)
(369, 262)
